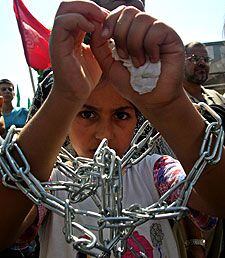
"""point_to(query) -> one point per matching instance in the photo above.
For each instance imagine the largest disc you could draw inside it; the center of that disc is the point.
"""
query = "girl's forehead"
(105, 96)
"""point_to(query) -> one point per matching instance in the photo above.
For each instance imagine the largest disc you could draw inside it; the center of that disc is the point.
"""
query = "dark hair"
(98, 1)
(6, 81)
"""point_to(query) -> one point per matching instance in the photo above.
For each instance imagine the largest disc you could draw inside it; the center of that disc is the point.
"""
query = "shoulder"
(162, 166)
(168, 170)
(21, 110)
(147, 163)
(167, 161)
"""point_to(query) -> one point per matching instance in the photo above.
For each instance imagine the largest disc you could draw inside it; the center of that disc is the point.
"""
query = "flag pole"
(24, 45)
(17, 96)
(32, 79)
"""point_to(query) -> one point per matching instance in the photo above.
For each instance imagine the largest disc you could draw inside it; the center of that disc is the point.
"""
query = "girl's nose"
(104, 130)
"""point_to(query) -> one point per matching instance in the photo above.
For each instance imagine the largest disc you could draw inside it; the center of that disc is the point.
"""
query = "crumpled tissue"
(142, 79)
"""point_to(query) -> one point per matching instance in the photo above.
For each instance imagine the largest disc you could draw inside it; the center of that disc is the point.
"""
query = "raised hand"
(141, 36)
(73, 76)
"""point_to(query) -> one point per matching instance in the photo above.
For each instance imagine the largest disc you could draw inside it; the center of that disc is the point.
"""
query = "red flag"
(34, 36)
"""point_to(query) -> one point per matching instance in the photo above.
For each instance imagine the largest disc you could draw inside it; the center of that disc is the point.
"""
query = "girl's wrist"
(67, 98)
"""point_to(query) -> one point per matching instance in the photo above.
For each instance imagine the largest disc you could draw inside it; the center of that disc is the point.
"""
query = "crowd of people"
(97, 101)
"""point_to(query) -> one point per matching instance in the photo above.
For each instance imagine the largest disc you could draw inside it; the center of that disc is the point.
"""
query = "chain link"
(101, 179)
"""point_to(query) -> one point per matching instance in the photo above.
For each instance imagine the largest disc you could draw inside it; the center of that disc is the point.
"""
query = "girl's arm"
(41, 139)
(167, 107)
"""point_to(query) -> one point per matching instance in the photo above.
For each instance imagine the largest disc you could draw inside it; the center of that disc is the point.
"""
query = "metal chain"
(101, 179)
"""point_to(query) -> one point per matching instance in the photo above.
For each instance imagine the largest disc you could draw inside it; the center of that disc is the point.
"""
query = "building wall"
(216, 79)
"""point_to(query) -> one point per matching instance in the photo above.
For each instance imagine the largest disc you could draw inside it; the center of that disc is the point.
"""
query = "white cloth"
(139, 188)
(142, 79)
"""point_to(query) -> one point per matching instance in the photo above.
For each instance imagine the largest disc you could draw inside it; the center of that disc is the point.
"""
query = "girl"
(90, 113)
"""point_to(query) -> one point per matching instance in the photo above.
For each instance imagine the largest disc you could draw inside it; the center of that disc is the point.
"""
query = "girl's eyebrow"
(124, 108)
(116, 109)
(90, 107)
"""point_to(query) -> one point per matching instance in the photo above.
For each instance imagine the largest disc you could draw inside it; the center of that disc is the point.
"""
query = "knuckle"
(61, 8)
(142, 17)
(144, 21)
(67, 3)
(160, 25)
(130, 10)
(58, 20)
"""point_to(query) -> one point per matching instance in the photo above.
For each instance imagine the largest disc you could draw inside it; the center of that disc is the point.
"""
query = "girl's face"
(105, 115)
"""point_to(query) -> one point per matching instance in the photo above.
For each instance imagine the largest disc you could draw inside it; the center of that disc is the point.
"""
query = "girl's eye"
(121, 115)
(87, 114)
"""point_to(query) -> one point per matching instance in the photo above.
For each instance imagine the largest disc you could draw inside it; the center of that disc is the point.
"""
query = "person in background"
(12, 115)
(197, 64)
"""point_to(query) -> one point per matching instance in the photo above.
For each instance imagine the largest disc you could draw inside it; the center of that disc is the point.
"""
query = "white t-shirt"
(154, 238)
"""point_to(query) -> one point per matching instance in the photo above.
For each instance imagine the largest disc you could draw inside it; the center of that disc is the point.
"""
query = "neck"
(7, 107)
(193, 89)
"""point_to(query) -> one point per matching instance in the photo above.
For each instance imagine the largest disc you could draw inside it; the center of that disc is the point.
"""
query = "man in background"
(196, 74)
(12, 115)
(197, 65)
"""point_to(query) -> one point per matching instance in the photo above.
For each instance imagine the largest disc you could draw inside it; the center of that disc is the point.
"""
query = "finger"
(88, 8)
(156, 40)
(110, 21)
(67, 31)
(70, 23)
(121, 29)
(135, 44)
(101, 49)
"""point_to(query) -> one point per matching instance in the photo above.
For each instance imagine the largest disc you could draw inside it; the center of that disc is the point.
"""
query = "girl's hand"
(71, 73)
(141, 36)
